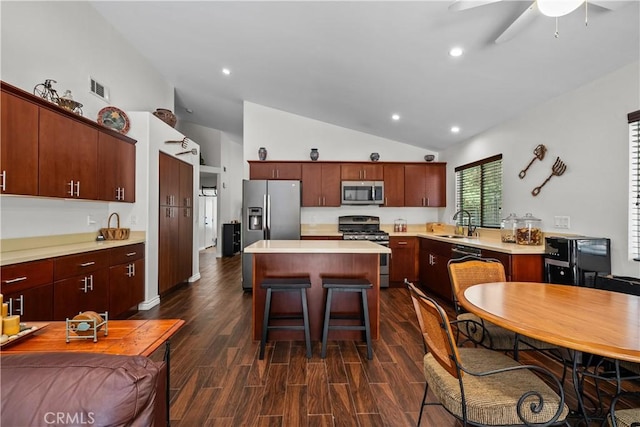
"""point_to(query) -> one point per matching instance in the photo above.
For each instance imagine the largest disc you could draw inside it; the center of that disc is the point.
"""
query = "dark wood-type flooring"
(217, 379)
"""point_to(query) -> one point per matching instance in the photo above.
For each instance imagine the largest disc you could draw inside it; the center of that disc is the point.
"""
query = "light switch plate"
(561, 222)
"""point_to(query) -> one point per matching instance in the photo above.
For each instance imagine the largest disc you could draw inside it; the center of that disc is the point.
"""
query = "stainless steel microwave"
(362, 192)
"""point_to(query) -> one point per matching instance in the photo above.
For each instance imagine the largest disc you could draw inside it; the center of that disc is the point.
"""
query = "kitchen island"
(318, 259)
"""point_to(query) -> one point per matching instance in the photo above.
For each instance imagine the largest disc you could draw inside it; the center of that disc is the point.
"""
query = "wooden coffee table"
(125, 337)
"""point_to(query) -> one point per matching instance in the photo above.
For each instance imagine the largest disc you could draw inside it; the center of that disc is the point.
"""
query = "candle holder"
(86, 326)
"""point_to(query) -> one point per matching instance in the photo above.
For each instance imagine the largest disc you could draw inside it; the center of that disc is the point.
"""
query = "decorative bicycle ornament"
(46, 91)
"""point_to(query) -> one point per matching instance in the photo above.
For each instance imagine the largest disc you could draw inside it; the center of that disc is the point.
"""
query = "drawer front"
(75, 265)
(124, 254)
(26, 275)
(402, 242)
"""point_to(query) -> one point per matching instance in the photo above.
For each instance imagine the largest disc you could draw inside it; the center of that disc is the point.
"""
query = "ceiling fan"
(537, 8)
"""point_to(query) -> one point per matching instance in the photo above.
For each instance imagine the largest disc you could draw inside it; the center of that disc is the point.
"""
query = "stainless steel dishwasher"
(461, 251)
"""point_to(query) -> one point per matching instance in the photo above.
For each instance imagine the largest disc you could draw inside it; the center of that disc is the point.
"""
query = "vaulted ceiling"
(354, 64)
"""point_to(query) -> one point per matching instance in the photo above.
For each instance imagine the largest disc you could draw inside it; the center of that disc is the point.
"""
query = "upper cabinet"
(68, 158)
(19, 146)
(49, 151)
(320, 184)
(394, 184)
(275, 170)
(425, 185)
(116, 169)
(362, 171)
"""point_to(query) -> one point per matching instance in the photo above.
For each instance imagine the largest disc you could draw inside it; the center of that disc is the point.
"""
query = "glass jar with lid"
(529, 231)
(508, 228)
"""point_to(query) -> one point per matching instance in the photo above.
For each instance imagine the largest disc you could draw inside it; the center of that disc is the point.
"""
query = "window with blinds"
(634, 185)
(479, 191)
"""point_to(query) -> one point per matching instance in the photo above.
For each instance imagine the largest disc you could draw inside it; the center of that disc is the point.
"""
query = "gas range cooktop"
(362, 227)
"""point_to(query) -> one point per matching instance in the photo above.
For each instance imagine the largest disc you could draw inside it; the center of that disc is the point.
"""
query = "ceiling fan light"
(556, 8)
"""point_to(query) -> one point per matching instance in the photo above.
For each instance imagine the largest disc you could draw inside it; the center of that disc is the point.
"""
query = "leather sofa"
(72, 389)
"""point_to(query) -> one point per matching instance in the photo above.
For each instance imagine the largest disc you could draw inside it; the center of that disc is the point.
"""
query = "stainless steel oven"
(365, 227)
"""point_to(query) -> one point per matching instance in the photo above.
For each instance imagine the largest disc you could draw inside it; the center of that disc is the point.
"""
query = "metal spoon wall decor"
(557, 169)
(193, 151)
(539, 152)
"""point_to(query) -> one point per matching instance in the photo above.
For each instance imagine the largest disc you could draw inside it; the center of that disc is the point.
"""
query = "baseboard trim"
(149, 304)
(194, 278)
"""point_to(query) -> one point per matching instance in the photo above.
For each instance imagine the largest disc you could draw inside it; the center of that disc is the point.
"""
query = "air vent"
(99, 90)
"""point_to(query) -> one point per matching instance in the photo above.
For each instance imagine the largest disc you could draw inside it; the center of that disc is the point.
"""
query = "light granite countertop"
(15, 251)
(316, 246)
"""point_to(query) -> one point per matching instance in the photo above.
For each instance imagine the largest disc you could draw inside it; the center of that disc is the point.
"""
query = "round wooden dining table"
(584, 319)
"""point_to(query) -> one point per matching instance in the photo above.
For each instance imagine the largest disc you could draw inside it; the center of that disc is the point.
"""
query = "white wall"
(70, 41)
(290, 137)
(588, 130)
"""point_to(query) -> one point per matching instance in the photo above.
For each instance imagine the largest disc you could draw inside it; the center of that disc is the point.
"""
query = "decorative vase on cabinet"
(262, 153)
(314, 154)
(166, 116)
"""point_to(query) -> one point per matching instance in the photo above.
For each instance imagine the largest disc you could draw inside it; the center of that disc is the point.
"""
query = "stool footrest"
(287, 327)
(344, 283)
(347, 327)
(276, 283)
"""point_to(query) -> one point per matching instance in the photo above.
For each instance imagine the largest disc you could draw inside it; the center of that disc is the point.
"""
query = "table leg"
(167, 359)
(579, 387)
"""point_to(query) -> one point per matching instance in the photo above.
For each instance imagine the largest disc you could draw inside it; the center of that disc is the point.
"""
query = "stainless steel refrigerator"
(270, 211)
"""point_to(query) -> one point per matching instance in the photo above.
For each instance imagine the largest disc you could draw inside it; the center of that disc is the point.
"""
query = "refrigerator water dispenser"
(254, 218)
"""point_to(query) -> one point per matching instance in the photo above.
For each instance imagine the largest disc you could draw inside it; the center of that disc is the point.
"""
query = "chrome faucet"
(470, 227)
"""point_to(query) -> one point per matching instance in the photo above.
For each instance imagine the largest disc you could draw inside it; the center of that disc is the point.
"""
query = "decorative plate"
(114, 118)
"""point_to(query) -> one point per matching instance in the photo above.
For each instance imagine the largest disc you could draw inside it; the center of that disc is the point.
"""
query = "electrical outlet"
(90, 220)
(561, 222)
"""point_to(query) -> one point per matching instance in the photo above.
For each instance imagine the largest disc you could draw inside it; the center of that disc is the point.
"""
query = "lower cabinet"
(404, 259)
(59, 288)
(519, 268)
(126, 279)
(434, 274)
(28, 289)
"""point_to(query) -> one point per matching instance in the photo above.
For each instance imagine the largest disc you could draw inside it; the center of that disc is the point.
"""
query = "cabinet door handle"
(402, 243)
(131, 253)
(427, 201)
(17, 279)
(122, 193)
(70, 188)
(319, 201)
(87, 264)
(11, 306)
(4, 181)
(77, 189)
(324, 201)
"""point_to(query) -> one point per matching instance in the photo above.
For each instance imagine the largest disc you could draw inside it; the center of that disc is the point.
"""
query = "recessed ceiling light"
(188, 110)
(456, 51)
(455, 129)
(395, 117)
(226, 71)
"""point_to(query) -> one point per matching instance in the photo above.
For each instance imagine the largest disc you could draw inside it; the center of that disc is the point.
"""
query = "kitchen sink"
(451, 236)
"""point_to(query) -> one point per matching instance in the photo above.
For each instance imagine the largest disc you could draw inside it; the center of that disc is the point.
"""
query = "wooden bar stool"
(286, 284)
(332, 284)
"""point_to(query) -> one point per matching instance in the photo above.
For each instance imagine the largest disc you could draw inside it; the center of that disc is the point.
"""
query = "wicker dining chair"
(478, 386)
(467, 271)
(624, 417)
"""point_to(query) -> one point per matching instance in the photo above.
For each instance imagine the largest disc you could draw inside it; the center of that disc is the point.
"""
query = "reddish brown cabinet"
(49, 151)
(321, 184)
(28, 289)
(19, 146)
(175, 241)
(434, 274)
(275, 170)
(81, 283)
(404, 259)
(393, 184)
(126, 278)
(425, 185)
(116, 169)
(362, 171)
(68, 158)
(519, 268)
